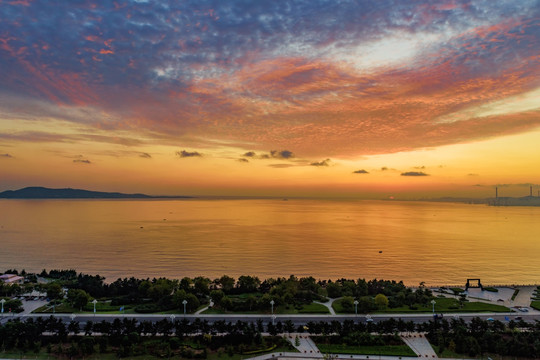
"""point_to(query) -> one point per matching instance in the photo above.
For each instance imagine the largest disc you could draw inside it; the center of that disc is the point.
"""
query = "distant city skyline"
(367, 99)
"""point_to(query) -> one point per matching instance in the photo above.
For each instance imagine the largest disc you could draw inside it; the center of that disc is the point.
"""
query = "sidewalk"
(420, 345)
(328, 304)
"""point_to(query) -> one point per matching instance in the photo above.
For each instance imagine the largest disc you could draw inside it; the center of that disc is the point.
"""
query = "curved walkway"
(328, 304)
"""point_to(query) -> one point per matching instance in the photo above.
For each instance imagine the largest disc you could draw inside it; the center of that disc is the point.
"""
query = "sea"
(415, 242)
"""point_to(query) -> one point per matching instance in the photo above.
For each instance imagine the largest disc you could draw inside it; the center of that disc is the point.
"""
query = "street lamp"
(273, 316)
(72, 317)
(356, 307)
(94, 302)
(172, 318)
(433, 302)
(3, 301)
(184, 302)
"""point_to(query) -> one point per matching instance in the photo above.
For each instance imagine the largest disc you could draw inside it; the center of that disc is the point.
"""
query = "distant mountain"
(513, 201)
(46, 193)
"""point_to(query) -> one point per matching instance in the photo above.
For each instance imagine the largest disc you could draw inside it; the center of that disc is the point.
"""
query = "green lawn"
(390, 350)
(446, 305)
(454, 355)
(62, 308)
(312, 308)
(516, 292)
(535, 304)
(450, 305)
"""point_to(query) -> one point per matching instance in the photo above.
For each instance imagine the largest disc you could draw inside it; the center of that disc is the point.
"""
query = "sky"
(363, 99)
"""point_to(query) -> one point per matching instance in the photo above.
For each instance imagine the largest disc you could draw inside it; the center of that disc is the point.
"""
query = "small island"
(38, 192)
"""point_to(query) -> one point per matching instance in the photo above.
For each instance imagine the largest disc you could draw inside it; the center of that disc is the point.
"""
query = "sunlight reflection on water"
(439, 243)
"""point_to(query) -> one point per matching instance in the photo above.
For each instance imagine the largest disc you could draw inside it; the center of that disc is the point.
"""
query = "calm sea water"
(438, 243)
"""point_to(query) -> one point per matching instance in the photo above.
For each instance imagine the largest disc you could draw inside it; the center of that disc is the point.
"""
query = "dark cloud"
(471, 174)
(414, 173)
(325, 162)
(82, 161)
(283, 154)
(243, 160)
(419, 167)
(6, 155)
(280, 166)
(384, 168)
(185, 154)
(273, 154)
(145, 155)
(361, 171)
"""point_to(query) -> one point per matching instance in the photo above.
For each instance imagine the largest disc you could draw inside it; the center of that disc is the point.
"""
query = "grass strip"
(389, 350)
(516, 292)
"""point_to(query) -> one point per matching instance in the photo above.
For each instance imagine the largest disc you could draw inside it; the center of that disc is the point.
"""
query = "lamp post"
(433, 302)
(355, 307)
(172, 318)
(185, 303)
(3, 301)
(273, 317)
(94, 302)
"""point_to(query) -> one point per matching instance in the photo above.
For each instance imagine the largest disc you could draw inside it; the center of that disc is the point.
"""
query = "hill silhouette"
(68, 193)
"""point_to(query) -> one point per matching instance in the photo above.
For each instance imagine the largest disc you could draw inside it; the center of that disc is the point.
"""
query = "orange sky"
(365, 100)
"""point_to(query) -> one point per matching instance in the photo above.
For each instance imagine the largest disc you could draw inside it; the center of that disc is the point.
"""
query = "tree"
(289, 326)
(185, 284)
(227, 283)
(54, 291)
(365, 304)
(347, 303)
(160, 289)
(144, 287)
(15, 305)
(251, 302)
(247, 284)
(73, 327)
(78, 298)
(333, 289)
(201, 285)
(217, 296)
(381, 301)
(226, 303)
(192, 301)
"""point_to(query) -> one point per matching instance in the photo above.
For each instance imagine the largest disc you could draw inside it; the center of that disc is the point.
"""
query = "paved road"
(296, 319)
